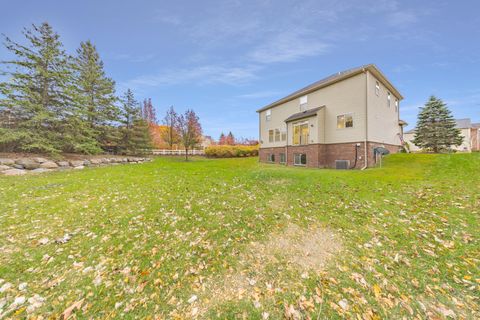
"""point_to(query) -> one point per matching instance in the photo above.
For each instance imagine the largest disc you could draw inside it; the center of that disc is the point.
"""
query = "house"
(468, 130)
(334, 122)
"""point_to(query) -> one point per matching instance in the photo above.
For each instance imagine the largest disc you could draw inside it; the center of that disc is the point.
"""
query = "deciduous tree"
(190, 130)
(170, 135)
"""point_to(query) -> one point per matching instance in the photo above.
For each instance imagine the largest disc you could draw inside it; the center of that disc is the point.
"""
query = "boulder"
(105, 160)
(95, 161)
(14, 172)
(87, 163)
(28, 163)
(49, 165)
(40, 170)
(18, 166)
(77, 163)
(4, 167)
(7, 162)
(79, 167)
(41, 160)
(63, 164)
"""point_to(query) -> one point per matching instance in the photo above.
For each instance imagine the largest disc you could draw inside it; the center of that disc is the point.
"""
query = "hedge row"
(228, 151)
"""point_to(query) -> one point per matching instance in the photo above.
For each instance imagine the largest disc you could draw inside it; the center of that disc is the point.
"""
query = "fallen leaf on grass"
(76, 305)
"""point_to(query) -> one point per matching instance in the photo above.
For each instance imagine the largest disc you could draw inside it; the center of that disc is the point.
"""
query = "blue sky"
(225, 59)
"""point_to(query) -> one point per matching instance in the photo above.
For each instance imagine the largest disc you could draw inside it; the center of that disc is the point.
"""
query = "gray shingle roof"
(463, 123)
(476, 125)
(330, 80)
(303, 114)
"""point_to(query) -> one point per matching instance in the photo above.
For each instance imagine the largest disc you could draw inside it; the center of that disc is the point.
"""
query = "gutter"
(366, 121)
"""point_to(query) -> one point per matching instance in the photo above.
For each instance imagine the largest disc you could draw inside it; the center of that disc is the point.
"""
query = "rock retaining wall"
(21, 166)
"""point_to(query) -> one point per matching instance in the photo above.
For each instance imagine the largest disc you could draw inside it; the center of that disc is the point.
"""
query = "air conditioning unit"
(342, 164)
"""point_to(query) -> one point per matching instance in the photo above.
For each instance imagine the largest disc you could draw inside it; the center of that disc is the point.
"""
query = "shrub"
(227, 151)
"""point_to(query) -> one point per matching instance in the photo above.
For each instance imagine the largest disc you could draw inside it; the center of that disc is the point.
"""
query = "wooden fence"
(178, 152)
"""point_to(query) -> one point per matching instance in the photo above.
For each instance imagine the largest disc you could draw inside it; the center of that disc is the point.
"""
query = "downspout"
(286, 146)
(366, 120)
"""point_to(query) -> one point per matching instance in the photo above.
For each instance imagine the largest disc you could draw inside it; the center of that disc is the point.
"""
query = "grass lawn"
(170, 239)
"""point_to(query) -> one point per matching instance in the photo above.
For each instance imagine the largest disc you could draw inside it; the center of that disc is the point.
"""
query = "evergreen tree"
(94, 99)
(140, 139)
(35, 99)
(230, 139)
(222, 140)
(435, 128)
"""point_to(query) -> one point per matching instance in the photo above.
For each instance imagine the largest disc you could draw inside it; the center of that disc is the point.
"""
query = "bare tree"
(190, 130)
(170, 135)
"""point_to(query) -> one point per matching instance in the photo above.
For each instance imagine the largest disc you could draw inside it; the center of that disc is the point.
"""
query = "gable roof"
(303, 114)
(336, 77)
(463, 123)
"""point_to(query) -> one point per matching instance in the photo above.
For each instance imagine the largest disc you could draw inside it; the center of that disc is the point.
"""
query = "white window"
(300, 133)
(268, 115)
(377, 88)
(389, 99)
(284, 135)
(270, 135)
(345, 121)
(303, 103)
(282, 158)
(271, 157)
(396, 105)
(300, 159)
(277, 135)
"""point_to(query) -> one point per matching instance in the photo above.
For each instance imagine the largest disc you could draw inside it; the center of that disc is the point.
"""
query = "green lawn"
(147, 240)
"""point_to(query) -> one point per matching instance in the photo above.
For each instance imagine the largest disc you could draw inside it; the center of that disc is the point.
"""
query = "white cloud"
(259, 94)
(287, 47)
(402, 19)
(198, 75)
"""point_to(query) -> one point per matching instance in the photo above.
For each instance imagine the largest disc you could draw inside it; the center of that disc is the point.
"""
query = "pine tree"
(95, 99)
(230, 139)
(140, 139)
(222, 140)
(129, 114)
(435, 128)
(35, 99)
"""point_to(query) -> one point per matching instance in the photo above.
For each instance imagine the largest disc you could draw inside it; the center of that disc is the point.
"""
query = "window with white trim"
(271, 157)
(268, 115)
(270, 135)
(277, 135)
(377, 88)
(300, 159)
(284, 135)
(389, 99)
(283, 159)
(303, 103)
(396, 105)
(345, 121)
(300, 133)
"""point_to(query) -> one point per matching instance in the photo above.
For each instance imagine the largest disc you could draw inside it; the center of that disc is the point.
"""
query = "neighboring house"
(469, 131)
(207, 141)
(335, 121)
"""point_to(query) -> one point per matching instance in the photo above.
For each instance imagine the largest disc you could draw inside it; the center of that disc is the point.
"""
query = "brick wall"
(324, 155)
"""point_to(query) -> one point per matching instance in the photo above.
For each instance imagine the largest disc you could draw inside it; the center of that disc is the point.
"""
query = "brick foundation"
(324, 155)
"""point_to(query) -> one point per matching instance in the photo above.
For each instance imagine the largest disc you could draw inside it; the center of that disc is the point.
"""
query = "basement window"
(345, 121)
(300, 159)
(271, 157)
(283, 159)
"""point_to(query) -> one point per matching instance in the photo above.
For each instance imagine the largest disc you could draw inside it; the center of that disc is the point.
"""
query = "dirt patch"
(260, 269)
(307, 248)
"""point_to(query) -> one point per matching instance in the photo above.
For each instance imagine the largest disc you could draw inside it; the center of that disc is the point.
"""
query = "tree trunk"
(186, 154)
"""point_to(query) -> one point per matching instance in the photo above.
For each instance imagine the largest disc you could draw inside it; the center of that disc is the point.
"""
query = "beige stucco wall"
(464, 147)
(383, 120)
(343, 97)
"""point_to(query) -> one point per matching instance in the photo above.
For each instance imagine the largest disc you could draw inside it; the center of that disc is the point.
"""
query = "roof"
(459, 123)
(303, 114)
(463, 123)
(336, 78)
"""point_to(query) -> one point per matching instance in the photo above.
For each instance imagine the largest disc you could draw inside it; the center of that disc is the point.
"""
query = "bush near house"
(227, 151)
